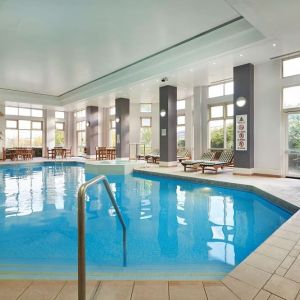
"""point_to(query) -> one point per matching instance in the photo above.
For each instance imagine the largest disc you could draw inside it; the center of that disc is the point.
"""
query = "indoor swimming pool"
(176, 229)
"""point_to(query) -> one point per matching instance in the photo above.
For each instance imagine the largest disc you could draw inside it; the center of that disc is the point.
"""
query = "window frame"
(224, 119)
(18, 129)
(181, 109)
(289, 109)
(141, 122)
(110, 109)
(223, 86)
(285, 59)
(145, 112)
(57, 112)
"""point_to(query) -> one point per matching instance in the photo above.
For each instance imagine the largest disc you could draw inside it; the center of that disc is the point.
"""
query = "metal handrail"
(81, 229)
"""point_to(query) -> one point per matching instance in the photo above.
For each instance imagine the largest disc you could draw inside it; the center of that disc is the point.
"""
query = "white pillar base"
(243, 171)
(168, 163)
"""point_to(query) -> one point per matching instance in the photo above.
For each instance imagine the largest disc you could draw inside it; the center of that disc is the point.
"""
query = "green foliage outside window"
(146, 138)
(59, 138)
(294, 131)
(217, 137)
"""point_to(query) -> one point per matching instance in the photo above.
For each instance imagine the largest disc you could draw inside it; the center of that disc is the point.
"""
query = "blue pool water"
(176, 229)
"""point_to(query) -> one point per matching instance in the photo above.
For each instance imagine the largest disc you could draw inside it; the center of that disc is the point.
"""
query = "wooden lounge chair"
(154, 156)
(183, 154)
(225, 160)
(194, 164)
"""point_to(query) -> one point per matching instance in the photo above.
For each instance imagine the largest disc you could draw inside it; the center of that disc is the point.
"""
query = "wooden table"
(24, 153)
(59, 152)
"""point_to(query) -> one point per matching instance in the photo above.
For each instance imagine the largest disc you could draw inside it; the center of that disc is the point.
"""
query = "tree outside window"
(220, 128)
(146, 134)
(59, 134)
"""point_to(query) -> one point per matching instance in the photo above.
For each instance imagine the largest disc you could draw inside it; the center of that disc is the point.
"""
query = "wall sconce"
(88, 124)
(117, 119)
(241, 101)
(163, 113)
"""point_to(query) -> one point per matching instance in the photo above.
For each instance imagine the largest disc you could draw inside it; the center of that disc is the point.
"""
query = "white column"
(198, 147)
(50, 128)
(2, 129)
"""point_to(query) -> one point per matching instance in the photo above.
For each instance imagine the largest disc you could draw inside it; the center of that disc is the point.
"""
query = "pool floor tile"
(287, 235)
(262, 295)
(281, 242)
(150, 290)
(219, 292)
(282, 287)
(272, 251)
(42, 290)
(250, 275)
(10, 289)
(114, 290)
(187, 290)
(263, 262)
(70, 290)
(294, 272)
(243, 290)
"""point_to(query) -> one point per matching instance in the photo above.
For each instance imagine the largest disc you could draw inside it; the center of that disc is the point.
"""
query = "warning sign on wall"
(241, 133)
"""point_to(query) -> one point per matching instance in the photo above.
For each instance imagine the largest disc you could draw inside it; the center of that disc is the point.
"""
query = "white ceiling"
(52, 47)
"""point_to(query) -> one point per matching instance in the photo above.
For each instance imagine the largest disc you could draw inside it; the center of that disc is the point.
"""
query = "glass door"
(293, 152)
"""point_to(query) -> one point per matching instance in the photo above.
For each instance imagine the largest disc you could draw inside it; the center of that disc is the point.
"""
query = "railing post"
(81, 230)
(81, 243)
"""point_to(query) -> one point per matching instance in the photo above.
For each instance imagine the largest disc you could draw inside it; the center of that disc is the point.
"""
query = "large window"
(80, 114)
(23, 133)
(81, 136)
(145, 108)
(59, 115)
(180, 104)
(291, 97)
(112, 133)
(219, 90)
(59, 134)
(24, 112)
(291, 67)
(112, 111)
(146, 133)
(220, 130)
(181, 131)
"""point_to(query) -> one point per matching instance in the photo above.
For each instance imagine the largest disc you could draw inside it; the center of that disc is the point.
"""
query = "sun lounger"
(194, 164)
(226, 159)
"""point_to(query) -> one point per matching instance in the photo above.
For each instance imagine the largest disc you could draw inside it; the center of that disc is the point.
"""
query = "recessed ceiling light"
(274, 45)
(241, 55)
(191, 70)
(214, 63)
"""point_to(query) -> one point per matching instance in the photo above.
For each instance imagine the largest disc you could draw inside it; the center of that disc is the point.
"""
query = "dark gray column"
(91, 130)
(122, 128)
(168, 125)
(244, 139)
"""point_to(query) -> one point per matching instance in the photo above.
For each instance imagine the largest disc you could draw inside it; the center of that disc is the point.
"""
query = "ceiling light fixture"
(241, 55)
(214, 63)
(274, 44)
(117, 119)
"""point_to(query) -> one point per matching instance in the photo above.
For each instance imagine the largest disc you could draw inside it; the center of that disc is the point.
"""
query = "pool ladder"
(81, 230)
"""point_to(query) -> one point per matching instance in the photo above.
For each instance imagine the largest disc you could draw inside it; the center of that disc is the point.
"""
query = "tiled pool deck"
(271, 272)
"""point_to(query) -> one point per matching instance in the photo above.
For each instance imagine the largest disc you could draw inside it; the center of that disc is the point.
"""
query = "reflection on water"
(172, 225)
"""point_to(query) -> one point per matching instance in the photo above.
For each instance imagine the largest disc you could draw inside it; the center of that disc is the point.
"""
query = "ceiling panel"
(51, 47)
